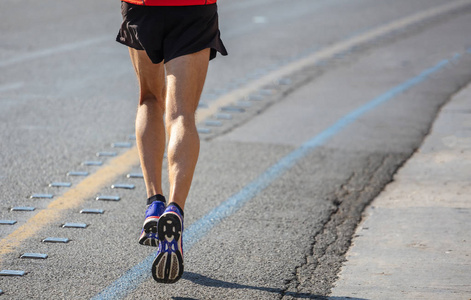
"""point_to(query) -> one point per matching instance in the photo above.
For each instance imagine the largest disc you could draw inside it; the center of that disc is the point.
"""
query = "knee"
(150, 100)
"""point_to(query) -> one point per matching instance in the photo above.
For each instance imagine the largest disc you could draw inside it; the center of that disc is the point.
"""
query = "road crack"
(319, 269)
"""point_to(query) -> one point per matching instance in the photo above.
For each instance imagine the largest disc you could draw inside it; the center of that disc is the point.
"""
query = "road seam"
(52, 51)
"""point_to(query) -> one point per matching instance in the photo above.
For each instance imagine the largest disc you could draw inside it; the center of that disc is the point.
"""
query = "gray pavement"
(414, 240)
(66, 95)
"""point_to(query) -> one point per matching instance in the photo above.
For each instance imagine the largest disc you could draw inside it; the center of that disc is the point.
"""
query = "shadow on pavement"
(206, 281)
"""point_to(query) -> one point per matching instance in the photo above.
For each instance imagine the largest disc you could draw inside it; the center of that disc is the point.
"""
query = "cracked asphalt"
(67, 94)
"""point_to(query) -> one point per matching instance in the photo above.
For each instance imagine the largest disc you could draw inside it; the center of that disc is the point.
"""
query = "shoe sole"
(150, 226)
(168, 265)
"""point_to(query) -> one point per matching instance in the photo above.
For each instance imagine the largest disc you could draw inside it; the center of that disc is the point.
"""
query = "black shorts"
(167, 32)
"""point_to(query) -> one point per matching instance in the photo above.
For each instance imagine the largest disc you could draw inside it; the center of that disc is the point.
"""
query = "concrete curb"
(414, 240)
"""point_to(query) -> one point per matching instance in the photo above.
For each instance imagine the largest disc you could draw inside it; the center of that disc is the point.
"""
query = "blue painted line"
(456, 57)
(193, 234)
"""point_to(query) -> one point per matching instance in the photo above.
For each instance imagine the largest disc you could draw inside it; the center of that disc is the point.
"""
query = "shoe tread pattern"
(168, 265)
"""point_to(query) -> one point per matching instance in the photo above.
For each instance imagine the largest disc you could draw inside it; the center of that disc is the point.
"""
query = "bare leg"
(150, 130)
(185, 80)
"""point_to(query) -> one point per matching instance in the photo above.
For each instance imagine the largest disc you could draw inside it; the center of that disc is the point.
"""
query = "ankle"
(180, 210)
(157, 197)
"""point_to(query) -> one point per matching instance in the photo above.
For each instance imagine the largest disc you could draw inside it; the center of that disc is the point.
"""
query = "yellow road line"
(90, 186)
(72, 199)
(327, 53)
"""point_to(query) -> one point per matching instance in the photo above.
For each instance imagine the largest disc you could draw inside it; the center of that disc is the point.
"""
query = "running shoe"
(149, 236)
(168, 265)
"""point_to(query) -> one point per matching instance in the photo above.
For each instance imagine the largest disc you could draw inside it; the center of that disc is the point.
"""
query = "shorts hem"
(213, 52)
(164, 36)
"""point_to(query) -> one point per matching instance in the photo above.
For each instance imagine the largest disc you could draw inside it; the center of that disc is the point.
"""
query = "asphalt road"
(354, 88)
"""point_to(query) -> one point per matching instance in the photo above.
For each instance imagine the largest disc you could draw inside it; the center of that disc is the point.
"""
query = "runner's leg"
(150, 130)
(185, 79)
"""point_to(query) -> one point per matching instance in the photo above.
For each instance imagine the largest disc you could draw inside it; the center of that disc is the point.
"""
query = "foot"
(149, 235)
(168, 265)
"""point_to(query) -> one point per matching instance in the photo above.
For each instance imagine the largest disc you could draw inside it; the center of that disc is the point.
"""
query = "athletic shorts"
(167, 32)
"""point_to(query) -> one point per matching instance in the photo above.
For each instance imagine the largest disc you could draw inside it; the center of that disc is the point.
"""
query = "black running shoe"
(168, 265)
(149, 236)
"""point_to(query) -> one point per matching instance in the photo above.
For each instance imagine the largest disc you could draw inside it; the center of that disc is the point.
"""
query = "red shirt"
(170, 2)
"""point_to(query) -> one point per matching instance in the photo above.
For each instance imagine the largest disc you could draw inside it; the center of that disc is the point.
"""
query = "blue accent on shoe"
(149, 236)
(168, 264)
